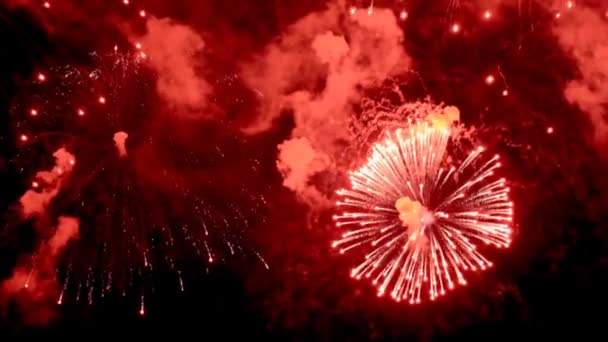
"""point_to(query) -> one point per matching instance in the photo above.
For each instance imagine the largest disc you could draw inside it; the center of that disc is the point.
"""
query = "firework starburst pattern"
(420, 220)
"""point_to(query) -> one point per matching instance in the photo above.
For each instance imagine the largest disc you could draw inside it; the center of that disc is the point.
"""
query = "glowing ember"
(455, 28)
(421, 219)
(490, 79)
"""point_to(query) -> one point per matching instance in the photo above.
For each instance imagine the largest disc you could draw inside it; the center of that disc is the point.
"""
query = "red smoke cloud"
(316, 69)
(584, 32)
(34, 286)
(174, 51)
(35, 201)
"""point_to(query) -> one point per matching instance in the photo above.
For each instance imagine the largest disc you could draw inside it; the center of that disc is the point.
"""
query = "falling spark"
(421, 219)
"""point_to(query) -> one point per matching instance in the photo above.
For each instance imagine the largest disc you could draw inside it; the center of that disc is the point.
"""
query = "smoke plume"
(584, 33)
(35, 201)
(316, 70)
(120, 140)
(174, 52)
(33, 286)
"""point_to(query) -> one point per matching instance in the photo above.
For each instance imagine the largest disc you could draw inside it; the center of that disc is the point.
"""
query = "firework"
(419, 218)
(132, 189)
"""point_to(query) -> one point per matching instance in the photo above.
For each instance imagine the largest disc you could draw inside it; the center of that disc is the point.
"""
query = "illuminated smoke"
(298, 162)
(34, 287)
(316, 70)
(35, 201)
(120, 139)
(174, 52)
(584, 32)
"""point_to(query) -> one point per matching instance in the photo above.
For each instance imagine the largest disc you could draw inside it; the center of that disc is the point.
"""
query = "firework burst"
(143, 195)
(419, 217)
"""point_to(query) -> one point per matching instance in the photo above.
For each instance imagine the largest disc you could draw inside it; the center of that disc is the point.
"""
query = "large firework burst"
(144, 197)
(419, 217)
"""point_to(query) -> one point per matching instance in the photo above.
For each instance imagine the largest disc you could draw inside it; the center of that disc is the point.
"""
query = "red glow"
(505, 92)
(138, 45)
(80, 112)
(33, 112)
(487, 15)
(47, 4)
(41, 77)
(23, 137)
(34, 184)
(490, 79)
(549, 130)
(102, 100)
(403, 15)
(126, 2)
(455, 28)
(570, 4)
(142, 13)
(352, 10)
(558, 15)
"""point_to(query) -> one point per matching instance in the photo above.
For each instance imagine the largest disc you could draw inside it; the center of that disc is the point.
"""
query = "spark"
(487, 15)
(41, 77)
(455, 28)
(403, 15)
(490, 79)
(33, 112)
(80, 112)
(420, 218)
(549, 130)
(142, 13)
(47, 4)
(102, 100)
(505, 92)
(23, 137)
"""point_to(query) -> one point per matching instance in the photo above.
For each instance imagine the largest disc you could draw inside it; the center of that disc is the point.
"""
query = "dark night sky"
(553, 280)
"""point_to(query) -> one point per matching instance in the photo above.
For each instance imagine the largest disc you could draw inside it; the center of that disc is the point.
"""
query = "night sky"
(215, 224)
